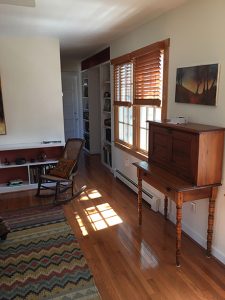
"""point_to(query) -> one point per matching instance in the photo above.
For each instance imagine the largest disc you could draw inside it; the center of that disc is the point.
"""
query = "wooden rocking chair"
(62, 175)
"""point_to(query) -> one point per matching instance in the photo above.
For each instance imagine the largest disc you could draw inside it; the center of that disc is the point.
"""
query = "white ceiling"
(82, 26)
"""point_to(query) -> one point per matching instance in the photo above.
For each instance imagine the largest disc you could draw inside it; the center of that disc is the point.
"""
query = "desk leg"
(165, 206)
(139, 198)
(179, 203)
(212, 201)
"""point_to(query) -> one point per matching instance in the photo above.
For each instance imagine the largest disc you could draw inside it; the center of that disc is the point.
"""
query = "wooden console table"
(185, 164)
(179, 191)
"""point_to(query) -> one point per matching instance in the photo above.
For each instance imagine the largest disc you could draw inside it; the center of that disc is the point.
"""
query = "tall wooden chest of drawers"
(193, 152)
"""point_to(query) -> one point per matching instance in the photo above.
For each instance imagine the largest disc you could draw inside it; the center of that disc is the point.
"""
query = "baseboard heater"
(153, 200)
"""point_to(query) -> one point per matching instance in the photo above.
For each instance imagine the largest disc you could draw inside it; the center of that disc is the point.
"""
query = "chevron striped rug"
(33, 217)
(44, 262)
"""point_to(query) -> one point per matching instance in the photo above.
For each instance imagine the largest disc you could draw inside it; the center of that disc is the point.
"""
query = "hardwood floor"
(128, 261)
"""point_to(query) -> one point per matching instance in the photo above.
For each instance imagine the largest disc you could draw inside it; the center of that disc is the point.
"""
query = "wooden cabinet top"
(188, 127)
(191, 151)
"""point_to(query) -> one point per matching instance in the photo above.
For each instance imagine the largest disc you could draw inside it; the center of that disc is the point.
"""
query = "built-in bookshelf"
(97, 104)
(106, 115)
(85, 105)
(21, 167)
(91, 110)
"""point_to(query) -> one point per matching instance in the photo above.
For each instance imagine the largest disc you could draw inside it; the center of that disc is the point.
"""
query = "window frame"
(134, 149)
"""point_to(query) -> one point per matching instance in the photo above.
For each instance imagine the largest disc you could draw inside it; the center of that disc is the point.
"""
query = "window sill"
(131, 151)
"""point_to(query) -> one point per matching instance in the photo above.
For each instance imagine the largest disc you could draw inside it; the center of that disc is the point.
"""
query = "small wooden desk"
(179, 191)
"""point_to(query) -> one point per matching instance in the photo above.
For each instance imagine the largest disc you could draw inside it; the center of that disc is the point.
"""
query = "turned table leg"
(139, 198)
(212, 201)
(179, 204)
(165, 207)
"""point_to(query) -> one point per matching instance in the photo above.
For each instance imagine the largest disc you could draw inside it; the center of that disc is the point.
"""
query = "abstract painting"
(2, 117)
(197, 84)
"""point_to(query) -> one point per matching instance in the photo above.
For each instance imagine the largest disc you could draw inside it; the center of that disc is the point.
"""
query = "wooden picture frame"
(2, 116)
(197, 84)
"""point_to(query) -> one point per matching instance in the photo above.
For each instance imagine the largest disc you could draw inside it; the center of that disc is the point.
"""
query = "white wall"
(32, 93)
(196, 33)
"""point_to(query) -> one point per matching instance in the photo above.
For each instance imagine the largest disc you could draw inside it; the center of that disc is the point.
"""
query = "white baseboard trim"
(202, 241)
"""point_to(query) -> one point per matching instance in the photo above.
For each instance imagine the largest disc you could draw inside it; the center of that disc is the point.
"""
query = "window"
(140, 94)
(126, 124)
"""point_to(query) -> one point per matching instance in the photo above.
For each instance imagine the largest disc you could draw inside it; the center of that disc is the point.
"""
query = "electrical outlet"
(193, 207)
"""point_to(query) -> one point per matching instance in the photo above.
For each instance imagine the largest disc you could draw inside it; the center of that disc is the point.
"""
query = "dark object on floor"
(4, 229)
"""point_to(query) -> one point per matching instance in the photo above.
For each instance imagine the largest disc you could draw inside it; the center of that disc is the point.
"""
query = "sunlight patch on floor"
(94, 194)
(81, 225)
(90, 195)
(102, 216)
(83, 197)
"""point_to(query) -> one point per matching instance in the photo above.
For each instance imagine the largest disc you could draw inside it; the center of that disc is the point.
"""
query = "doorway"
(72, 128)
